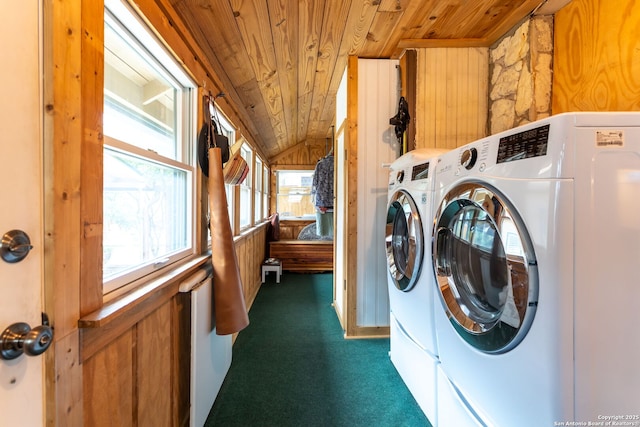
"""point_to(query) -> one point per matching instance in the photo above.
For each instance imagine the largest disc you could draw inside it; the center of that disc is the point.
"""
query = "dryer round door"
(404, 240)
(485, 267)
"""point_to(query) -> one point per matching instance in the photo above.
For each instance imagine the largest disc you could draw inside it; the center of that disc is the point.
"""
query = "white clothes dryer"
(536, 238)
(411, 282)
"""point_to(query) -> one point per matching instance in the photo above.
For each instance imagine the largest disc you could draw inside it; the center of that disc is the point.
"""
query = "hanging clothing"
(322, 189)
(322, 185)
(324, 223)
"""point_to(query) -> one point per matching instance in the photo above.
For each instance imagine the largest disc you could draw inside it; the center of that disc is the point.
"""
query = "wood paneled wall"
(251, 251)
(127, 366)
(452, 96)
(302, 154)
(290, 228)
(136, 365)
(141, 377)
(597, 56)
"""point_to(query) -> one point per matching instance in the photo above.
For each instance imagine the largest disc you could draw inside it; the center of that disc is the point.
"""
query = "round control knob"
(469, 157)
(400, 177)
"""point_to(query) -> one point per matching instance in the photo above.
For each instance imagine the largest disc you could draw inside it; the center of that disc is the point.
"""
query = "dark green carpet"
(292, 367)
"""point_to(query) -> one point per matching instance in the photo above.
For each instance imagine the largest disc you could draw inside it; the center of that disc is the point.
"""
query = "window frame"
(143, 41)
(258, 189)
(246, 187)
(266, 191)
(302, 169)
(227, 129)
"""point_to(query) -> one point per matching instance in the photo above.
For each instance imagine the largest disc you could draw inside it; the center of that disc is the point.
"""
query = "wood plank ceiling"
(282, 60)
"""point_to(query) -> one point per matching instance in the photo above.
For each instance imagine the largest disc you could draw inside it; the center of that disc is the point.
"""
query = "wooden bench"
(303, 255)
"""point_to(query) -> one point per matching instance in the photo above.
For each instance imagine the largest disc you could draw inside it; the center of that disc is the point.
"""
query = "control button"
(469, 157)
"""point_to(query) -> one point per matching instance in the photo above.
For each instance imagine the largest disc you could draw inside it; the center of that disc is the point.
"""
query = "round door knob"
(15, 246)
(19, 338)
(11, 340)
(37, 340)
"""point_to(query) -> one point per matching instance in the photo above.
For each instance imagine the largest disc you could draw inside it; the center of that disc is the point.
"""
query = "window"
(265, 191)
(258, 214)
(294, 198)
(229, 131)
(148, 162)
(245, 188)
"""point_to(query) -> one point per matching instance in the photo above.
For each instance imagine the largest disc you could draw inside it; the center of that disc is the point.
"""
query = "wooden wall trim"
(351, 217)
(292, 167)
(73, 33)
(432, 43)
(91, 161)
(360, 332)
(408, 80)
(130, 302)
(104, 326)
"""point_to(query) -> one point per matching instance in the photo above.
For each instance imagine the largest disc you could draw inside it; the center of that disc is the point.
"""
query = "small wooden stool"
(272, 264)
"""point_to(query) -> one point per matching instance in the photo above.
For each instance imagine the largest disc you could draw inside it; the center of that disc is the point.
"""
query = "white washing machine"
(536, 242)
(411, 282)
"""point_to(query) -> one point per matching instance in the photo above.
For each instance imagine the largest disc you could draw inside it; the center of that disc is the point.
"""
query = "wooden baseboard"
(361, 332)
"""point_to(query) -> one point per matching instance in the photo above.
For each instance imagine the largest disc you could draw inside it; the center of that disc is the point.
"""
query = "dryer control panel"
(417, 177)
(524, 145)
(420, 171)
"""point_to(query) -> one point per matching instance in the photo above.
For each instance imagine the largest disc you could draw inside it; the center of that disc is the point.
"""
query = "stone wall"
(521, 69)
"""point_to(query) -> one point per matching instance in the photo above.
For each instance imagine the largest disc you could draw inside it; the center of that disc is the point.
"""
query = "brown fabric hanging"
(229, 305)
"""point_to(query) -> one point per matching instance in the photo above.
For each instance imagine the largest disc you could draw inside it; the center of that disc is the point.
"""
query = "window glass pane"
(227, 130)
(257, 191)
(229, 190)
(247, 155)
(140, 100)
(245, 189)
(294, 198)
(245, 212)
(265, 180)
(145, 212)
(265, 192)
(257, 202)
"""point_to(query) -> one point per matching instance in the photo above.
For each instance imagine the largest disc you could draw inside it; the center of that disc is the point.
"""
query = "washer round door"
(485, 267)
(404, 240)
